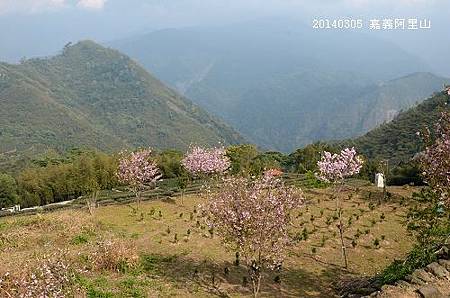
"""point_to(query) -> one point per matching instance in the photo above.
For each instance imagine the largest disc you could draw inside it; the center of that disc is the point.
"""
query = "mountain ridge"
(101, 99)
(397, 141)
(290, 86)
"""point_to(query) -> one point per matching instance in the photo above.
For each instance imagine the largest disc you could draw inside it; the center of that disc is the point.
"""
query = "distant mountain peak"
(283, 84)
(92, 96)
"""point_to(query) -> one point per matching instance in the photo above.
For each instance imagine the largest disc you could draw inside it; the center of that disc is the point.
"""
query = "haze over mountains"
(284, 85)
(277, 82)
(90, 96)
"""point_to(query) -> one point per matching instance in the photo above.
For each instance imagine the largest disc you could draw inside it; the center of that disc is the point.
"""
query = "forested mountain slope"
(397, 140)
(91, 96)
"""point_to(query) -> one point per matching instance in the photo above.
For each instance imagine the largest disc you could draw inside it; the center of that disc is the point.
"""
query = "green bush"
(429, 221)
(419, 257)
(8, 191)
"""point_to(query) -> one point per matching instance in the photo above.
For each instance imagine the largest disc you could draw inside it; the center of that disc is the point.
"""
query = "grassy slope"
(167, 267)
(96, 97)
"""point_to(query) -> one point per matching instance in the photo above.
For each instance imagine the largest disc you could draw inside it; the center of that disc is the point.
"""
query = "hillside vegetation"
(397, 140)
(91, 96)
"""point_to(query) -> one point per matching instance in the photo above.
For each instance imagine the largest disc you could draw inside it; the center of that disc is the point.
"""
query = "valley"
(224, 149)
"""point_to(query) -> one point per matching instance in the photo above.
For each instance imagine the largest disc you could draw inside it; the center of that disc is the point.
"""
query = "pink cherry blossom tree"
(334, 168)
(253, 218)
(138, 171)
(200, 162)
(435, 160)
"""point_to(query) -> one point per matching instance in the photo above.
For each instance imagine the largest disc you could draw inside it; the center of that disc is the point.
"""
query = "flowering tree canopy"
(137, 170)
(253, 218)
(435, 160)
(201, 161)
(335, 167)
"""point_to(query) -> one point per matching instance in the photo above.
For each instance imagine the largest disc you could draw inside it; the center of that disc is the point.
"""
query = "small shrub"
(305, 234)
(114, 255)
(80, 239)
(419, 257)
(237, 259)
(277, 279)
(152, 212)
(322, 242)
(376, 242)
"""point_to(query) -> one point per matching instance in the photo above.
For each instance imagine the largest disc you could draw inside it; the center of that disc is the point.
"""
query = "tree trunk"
(340, 225)
(91, 202)
(344, 250)
(256, 283)
(138, 198)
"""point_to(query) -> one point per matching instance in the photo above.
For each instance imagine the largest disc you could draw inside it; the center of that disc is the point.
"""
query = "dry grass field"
(164, 250)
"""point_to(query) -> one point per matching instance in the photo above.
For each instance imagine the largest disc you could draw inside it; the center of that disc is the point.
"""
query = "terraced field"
(164, 249)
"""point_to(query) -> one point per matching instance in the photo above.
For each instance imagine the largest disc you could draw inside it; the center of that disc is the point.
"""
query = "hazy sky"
(41, 27)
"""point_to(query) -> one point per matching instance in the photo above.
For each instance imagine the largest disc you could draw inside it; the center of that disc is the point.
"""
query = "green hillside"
(91, 96)
(397, 140)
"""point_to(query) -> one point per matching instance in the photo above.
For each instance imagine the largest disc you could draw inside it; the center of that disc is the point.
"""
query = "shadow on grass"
(222, 279)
